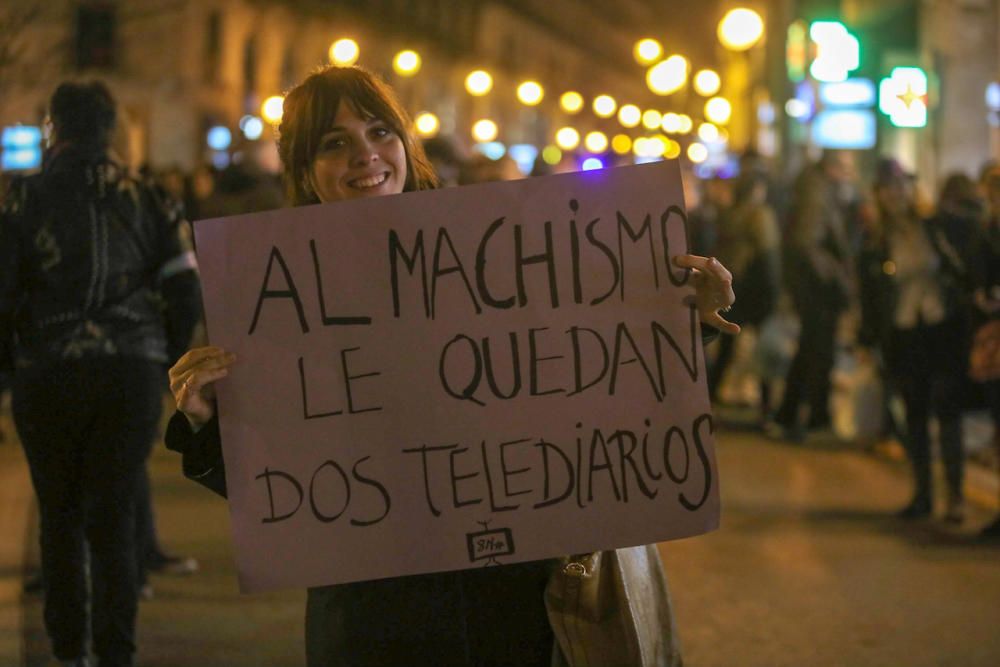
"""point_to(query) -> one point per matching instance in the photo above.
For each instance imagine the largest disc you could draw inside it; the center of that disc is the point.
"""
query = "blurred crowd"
(867, 300)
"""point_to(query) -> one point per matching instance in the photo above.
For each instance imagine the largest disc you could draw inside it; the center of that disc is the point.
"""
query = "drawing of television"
(488, 544)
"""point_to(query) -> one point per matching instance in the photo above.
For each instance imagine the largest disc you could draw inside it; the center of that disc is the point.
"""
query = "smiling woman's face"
(358, 157)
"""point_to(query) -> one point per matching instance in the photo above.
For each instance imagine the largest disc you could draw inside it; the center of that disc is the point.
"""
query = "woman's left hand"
(713, 290)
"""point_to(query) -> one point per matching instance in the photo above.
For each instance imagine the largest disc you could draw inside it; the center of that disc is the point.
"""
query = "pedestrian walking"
(986, 301)
(912, 284)
(818, 268)
(97, 293)
(749, 246)
(344, 136)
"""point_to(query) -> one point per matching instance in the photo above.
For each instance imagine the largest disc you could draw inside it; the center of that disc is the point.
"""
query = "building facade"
(180, 67)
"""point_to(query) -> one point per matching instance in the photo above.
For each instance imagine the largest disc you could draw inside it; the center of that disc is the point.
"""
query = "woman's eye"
(332, 143)
(381, 132)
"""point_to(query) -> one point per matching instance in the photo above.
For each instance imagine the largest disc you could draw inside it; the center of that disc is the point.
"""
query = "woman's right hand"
(192, 381)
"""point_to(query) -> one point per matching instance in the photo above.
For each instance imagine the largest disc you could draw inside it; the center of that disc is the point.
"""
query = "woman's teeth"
(370, 182)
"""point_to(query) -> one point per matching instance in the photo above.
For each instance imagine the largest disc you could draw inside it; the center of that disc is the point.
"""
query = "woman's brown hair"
(308, 114)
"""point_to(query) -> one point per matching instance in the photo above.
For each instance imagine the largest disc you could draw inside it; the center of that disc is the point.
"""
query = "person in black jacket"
(345, 136)
(98, 293)
(986, 299)
(913, 281)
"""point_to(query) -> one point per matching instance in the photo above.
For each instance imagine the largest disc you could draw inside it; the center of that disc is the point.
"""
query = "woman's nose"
(364, 153)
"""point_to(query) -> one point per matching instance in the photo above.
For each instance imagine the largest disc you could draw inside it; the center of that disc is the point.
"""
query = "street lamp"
(427, 125)
(406, 63)
(272, 109)
(740, 29)
(485, 130)
(671, 123)
(629, 115)
(530, 93)
(646, 51)
(596, 142)
(697, 153)
(344, 52)
(621, 144)
(667, 76)
(605, 106)
(567, 138)
(708, 133)
(571, 101)
(479, 82)
(718, 110)
(707, 82)
(651, 119)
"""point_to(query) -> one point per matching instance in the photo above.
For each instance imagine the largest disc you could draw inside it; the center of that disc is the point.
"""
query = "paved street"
(808, 569)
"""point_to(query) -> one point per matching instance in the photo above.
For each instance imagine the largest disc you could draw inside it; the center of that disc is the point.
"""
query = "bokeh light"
(427, 124)
(479, 82)
(485, 130)
(272, 109)
(530, 93)
(629, 115)
(740, 29)
(651, 119)
(697, 153)
(344, 52)
(605, 106)
(551, 155)
(571, 101)
(718, 110)
(707, 82)
(406, 63)
(596, 142)
(668, 76)
(708, 132)
(647, 51)
(567, 138)
(621, 144)
(671, 123)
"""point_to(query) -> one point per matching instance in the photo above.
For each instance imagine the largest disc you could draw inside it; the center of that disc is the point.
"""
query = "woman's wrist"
(195, 424)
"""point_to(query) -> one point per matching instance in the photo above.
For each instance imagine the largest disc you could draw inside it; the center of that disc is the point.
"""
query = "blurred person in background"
(749, 245)
(97, 293)
(713, 197)
(986, 302)
(446, 159)
(913, 282)
(482, 169)
(818, 272)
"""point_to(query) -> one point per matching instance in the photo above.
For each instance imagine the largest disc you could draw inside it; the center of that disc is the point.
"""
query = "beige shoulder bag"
(612, 609)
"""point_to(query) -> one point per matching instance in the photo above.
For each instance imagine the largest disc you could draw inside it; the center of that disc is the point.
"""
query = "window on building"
(96, 35)
(213, 47)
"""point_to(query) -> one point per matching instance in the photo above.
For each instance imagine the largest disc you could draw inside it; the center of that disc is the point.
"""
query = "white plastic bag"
(856, 404)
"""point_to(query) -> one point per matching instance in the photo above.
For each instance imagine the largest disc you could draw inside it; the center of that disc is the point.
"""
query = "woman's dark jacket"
(880, 290)
(92, 263)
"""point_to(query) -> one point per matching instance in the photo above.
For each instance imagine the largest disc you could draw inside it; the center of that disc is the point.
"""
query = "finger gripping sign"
(459, 378)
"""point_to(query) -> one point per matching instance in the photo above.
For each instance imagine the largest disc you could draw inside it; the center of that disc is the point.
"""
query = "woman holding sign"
(344, 136)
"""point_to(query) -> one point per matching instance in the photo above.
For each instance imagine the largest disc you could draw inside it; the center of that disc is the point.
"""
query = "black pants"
(808, 377)
(929, 367)
(87, 427)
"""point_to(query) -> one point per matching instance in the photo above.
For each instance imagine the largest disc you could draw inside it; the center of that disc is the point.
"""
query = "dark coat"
(93, 263)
